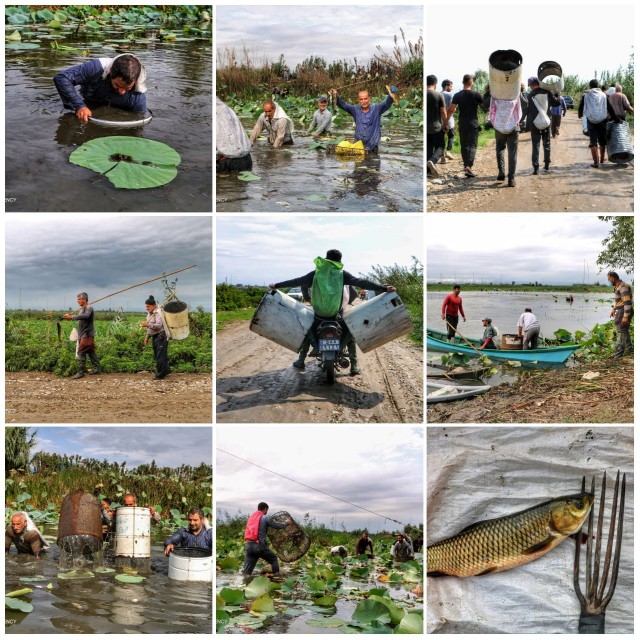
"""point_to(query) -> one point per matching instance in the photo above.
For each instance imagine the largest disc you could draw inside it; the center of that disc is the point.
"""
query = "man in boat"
(622, 313)
(367, 117)
(255, 540)
(327, 284)
(24, 535)
(233, 147)
(196, 535)
(528, 329)
(116, 82)
(364, 542)
(451, 308)
(322, 122)
(489, 334)
(277, 124)
(155, 330)
(86, 337)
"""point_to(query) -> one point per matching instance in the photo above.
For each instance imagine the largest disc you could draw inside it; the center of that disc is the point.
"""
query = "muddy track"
(570, 185)
(255, 382)
(32, 398)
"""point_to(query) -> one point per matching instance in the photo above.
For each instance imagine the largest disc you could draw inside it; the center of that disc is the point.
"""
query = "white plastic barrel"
(505, 74)
(133, 532)
(378, 321)
(191, 564)
(282, 319)
(176, 320)
(550, 76)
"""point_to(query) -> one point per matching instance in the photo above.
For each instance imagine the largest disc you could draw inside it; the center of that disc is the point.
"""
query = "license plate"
(329, 345)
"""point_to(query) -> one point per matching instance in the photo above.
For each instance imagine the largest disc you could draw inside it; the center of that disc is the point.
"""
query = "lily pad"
(32, 579)
(370, 610)
(18, 46)
(15, 37)
(104, 570)
(327, 623)
(128, 162)
(232, 596)
(325, 601)
(222, 620)
(262, 604)
(258, 587)
(121, 577)
(17, 605)
(411, 623)
(76, 574)
(315, 198)
(228, 564)
(247, 176)
(19, 592)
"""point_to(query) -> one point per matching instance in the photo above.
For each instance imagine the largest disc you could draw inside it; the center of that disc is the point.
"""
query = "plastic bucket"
(191, 564)
(505, 74)
(553, 71)
(511, 341)
(378, 321)
(133, 532)
(80, 515)
(176, 319)
(283, 320)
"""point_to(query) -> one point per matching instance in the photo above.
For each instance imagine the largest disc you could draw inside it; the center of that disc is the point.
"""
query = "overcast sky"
(170, 447)
(379, 468)
(266, 249)
(49, 259)
(462, 37)
(333, 32)
(551, 249)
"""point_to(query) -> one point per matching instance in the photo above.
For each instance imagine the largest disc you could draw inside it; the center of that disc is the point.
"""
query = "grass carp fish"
(502, 543)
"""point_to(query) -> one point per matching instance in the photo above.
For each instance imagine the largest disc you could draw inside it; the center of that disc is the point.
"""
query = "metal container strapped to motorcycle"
(378, 321)
(282, 319)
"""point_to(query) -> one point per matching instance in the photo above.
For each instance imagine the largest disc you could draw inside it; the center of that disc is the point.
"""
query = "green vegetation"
(232, 298)
(40, 488)
(37, 341)
(223, 318)
(318, 585)
(618, 251)
(523, 287)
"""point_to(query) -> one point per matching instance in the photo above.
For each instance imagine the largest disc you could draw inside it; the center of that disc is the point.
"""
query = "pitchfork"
(593, 603)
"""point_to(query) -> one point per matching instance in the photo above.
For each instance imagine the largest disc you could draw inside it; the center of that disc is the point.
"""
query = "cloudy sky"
(262, 250)
(544, 30)
(170, 447)
(543, 247)
(49, 259)
(333, 32)
(379, 468)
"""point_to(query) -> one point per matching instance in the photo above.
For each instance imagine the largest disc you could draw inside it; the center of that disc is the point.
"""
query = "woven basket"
(290, 543)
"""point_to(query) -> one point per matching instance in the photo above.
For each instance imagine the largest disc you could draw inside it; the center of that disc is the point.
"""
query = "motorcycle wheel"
(331, 373)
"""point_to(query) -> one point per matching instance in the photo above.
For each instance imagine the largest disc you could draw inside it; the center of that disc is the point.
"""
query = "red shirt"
(452, 304)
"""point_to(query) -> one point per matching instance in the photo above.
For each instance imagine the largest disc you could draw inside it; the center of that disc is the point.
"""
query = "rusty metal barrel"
(511, 341)
(80, 515)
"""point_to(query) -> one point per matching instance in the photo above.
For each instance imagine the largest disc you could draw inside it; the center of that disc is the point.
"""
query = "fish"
(510, 541)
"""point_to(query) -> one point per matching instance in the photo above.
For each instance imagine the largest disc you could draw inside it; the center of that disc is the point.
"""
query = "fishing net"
(191, 552)
(291, 542)
(175, 306)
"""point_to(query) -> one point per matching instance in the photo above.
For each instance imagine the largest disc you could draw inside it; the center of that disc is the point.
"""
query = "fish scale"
(509, 541)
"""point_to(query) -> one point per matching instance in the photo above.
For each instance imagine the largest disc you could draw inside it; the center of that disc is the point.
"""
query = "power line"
(357, 506)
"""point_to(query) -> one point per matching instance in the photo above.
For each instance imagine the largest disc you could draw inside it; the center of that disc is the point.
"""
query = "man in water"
(622, 313)
(277, 124)
(233, 147)
(364, 542)
(326, 284)
(116, 82)
(451, 307)
(197, 535)
(130, 500)
(25, 541)
(322, 121)
(255, 540)
(528, 329)
(367, 117)
(86, 337)
(401, 550)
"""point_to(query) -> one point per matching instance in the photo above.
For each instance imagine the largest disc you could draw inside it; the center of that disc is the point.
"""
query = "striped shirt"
(623, 299)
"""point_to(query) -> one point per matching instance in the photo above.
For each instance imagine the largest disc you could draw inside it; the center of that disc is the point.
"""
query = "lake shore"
(551, 396)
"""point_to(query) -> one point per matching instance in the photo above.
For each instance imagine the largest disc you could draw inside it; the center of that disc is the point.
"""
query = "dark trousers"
(450, 137)
(160, 349)
(435, 146)
(453, 321)
(87, 348)
(556, 121)
(253, 551)
(226, 165)
(468, 143)
(508, 141)
(623, 343)
(536, 136)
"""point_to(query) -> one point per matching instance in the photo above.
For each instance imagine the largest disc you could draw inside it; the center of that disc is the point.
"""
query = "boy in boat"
(116, 82)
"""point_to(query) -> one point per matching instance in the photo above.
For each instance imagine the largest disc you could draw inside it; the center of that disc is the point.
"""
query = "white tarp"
(478, 473)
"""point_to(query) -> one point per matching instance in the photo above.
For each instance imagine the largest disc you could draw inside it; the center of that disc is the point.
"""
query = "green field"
(568, 288)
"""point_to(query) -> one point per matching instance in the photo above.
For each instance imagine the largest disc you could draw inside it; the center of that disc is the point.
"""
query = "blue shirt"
(368, 127)
(95, 89)
(184, 538)
(561, 109)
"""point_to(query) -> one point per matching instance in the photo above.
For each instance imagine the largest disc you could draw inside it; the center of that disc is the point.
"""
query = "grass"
(224, 318)
(562, 288)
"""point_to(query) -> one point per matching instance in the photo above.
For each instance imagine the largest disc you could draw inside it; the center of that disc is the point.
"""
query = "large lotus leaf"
(128, 162)
(121, 577)
(327, 623)
(76, 574)
(396, 613)
(263, 604)
(232, 596)
(369, 610)
(17, 605)
(258, 587)
(222, 620)
(411, 623)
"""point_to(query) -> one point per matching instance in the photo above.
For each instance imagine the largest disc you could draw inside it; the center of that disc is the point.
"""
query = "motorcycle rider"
(326, 283)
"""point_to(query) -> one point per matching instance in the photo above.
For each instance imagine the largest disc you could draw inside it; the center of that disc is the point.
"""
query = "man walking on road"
(557, 113)
(436, 125)
(593, 104)
(447, 94)
(539, 123)
(467, 101)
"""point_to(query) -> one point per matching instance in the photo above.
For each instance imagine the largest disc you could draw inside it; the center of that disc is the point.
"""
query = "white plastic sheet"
(478, 473)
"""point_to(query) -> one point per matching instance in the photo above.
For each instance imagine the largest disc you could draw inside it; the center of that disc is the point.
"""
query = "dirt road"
(255, 382)
(32, 398)
(570, 185)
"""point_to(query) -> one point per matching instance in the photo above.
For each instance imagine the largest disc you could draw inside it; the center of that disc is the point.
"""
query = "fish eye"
(579, 503)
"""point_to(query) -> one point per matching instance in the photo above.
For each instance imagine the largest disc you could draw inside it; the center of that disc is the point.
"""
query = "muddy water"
(40, 134)
(103, 605)
(390, 181)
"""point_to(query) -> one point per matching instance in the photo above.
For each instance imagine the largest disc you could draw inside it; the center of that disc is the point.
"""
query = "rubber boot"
(304, 349)
(353, 358)
(80, 373)
(603, 150)
(619, 351)
(95, 364)
(594, 155)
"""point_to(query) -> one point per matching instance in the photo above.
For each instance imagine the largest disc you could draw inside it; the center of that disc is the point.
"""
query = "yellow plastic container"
(345, 148)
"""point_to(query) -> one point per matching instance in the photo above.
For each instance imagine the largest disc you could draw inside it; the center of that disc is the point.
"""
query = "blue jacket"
(184, 538)
(368, 127)
(95, 89)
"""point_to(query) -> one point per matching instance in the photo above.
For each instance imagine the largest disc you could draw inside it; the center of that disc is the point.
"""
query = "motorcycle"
(332, 354)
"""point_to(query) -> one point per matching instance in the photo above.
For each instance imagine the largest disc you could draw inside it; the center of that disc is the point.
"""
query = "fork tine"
(588, 553)
(576, 561)
(612, 530)
(598, 545)
(616, 556)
